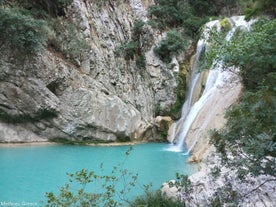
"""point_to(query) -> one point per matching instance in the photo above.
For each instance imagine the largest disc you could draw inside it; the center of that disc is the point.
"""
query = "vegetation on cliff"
(249, 135)
(247, 142)
(28, 27)
(21, 32)
(187, 14)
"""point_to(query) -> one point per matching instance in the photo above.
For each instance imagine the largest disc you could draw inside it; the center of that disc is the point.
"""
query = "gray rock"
(97, 95)
(254, 191)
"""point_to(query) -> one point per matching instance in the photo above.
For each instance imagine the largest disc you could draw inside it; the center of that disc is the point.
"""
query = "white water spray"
(215, 81)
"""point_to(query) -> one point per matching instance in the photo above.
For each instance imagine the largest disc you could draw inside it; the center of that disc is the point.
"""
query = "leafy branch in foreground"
(247, 143)
(249, 134)
(95, 190)
(87, 188)
(253, 52)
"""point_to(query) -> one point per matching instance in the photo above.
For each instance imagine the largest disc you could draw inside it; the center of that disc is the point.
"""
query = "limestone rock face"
(254, 191)
(98, 95)
(211, 116)
(204, 188)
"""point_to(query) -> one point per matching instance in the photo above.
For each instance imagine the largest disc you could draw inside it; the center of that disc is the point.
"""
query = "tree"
(248, 140)
(21, 32)
(254, 8)
(171, 45)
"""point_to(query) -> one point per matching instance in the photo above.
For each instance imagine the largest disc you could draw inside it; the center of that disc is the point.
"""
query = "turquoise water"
(26, 173)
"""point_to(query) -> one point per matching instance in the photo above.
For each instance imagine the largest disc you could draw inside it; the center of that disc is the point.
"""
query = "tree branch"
(258, 187)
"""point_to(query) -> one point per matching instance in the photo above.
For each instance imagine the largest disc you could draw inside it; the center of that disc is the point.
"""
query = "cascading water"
(196, 99)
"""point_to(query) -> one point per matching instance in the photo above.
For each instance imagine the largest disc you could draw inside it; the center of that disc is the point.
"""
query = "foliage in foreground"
(250, 132)
(93, 189)
(155, 199)
(247, 143)
(87, 188)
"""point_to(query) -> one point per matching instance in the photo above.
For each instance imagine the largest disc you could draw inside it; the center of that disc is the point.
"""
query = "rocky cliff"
(97, 95)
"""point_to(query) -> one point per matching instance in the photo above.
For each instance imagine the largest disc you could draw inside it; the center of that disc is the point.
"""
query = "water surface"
(26, 173)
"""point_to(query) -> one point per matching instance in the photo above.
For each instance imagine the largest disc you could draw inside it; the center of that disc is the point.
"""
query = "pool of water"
(26, 173)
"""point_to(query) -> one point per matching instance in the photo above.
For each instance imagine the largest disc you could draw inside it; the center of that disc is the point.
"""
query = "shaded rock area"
(96, 96)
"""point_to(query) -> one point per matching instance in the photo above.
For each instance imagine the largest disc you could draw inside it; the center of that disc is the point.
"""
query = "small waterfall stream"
(199, 93)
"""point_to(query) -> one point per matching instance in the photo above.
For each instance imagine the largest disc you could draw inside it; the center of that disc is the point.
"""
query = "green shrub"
(158, 110)
(141, 61)
(175, 111)
(178, 13)
(133, 49)
(168, 13)
(21, 32)
(100, 3)
(173, 44)
(193, 24)
(258, 7)
(190, 14)
(155, 199)
(128, 50)
(137, 30)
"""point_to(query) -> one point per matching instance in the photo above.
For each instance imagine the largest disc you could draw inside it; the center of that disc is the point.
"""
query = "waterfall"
(196, 98)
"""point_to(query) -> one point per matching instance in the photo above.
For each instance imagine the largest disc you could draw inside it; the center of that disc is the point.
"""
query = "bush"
(128, 50)
(173, 44)
(249, 134)
(190, 14)
(175, 111)
(133, 49)
(141, 61)
(137, 30)
(21, 32)
(258, 7)
(155, 199)
(169, 13)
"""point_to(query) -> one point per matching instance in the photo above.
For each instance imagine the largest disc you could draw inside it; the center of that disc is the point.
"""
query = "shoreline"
(47, 143)
(27, 144)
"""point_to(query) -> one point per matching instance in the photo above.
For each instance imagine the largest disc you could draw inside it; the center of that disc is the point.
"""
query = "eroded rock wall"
(97, 96)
